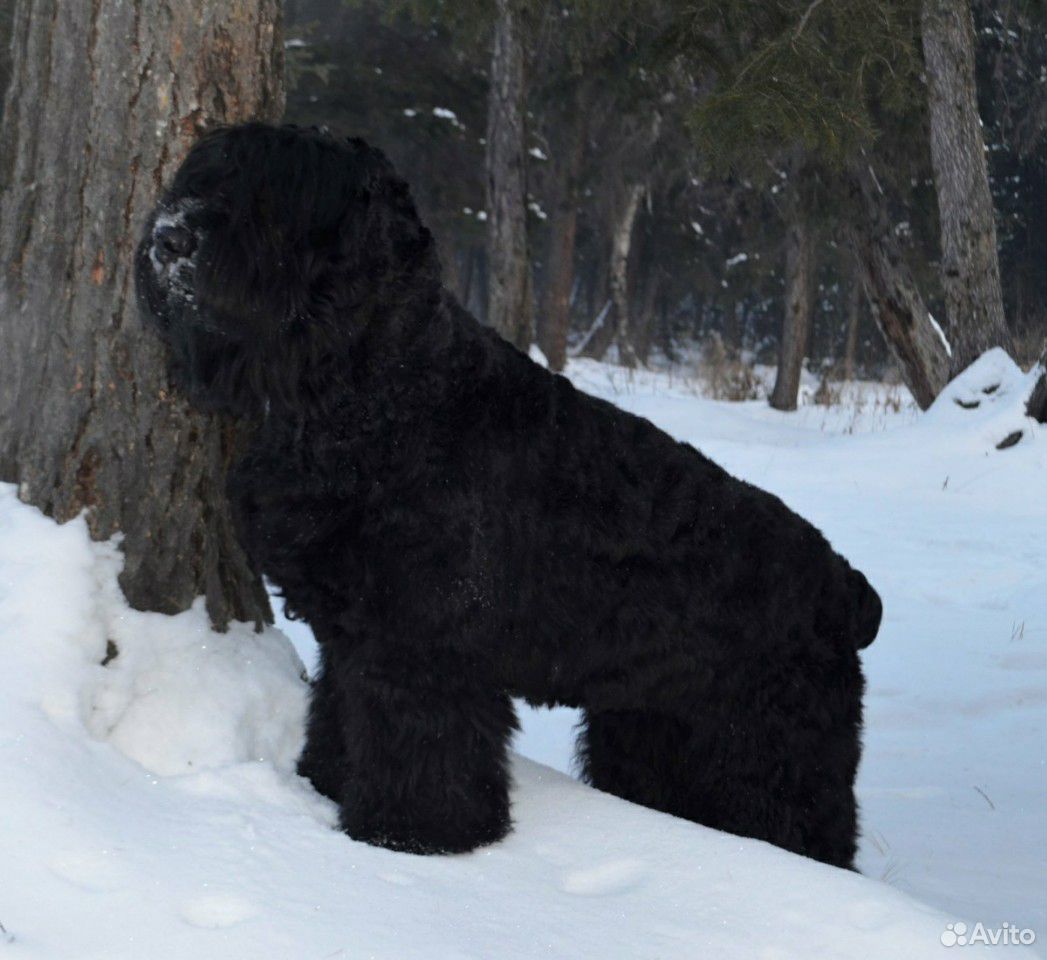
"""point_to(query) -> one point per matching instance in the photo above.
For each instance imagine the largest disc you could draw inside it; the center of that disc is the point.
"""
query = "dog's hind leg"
(773, 758)
(636, 755)
(778, 774)
(426, 754)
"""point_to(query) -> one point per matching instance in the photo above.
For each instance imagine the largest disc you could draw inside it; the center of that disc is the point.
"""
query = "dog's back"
(602, 529)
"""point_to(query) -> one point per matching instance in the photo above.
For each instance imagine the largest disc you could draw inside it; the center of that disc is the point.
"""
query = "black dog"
(460, 526)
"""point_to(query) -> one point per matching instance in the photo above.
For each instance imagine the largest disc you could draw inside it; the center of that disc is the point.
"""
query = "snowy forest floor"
(148, 807)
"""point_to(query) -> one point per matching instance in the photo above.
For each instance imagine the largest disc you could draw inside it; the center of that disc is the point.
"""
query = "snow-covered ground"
(148, 806)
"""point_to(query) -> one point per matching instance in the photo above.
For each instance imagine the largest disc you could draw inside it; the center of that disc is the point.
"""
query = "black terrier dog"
(460, 526)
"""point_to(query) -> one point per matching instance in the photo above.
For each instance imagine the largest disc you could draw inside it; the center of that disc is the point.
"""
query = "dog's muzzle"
(172, 242)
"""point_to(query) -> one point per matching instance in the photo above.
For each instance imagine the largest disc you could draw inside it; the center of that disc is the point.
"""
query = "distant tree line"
(764, 172)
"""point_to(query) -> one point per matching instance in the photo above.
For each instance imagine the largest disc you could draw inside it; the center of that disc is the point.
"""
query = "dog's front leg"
(322, 761)
(425, 762)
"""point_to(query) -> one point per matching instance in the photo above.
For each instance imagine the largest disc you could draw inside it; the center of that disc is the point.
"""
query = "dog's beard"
(204, 364)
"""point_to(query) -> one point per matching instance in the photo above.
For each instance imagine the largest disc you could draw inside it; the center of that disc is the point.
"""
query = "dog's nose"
(173, 242)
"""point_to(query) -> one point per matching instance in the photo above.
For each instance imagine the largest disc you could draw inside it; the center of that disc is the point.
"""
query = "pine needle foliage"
(788, 74)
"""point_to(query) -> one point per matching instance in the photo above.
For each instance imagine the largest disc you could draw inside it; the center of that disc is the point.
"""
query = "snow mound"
(536, 354)
(150, 809)
(992, 392)
(173, 695)
(177, 698)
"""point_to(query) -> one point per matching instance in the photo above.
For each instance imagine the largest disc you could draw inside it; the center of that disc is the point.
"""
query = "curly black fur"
(460, 526)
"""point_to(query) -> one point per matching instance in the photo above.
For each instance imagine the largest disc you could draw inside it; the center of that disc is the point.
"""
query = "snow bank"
(149, 807)
(173, 696)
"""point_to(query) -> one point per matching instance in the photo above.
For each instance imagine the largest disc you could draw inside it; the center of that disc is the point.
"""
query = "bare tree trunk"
(643, 329)
(448, 255)
(554, 318)
(796, 315)
(469, 256)
(855, 299)
(970, 269)
(102, 104)
(598, 290)
(912, 336)
(732, 325)
(621, 244)
(665, 333)
(509, 273)
(615, 320)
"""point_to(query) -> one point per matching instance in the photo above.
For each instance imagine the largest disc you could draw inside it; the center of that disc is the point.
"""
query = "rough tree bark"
(912, 336)
(6, 22)
(970, 269)
(554, 317)
(796, 313)
(508, 264)
(103, 101)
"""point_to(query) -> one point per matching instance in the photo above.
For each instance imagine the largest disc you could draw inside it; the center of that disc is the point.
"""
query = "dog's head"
(270, 251)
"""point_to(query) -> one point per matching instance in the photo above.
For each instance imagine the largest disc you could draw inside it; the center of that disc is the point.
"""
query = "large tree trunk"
(796, 314)
(103, 102)
(554, 318)
(508, 263)
(912, 336)
(970, 270)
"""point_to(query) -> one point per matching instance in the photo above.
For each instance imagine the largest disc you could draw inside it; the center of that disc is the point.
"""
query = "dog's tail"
(868, 609)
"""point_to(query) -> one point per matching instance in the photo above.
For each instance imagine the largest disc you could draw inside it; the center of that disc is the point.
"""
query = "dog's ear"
(312, 230)
(360, 247)
(384, 240)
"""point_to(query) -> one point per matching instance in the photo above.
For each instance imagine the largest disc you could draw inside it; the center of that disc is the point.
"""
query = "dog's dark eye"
(173, 242)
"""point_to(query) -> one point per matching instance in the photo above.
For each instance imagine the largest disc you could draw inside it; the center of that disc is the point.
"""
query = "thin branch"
(875, 180)
(806, 16)
(985, 796)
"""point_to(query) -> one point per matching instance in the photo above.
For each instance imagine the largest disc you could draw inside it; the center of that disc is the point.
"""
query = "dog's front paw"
(455, 834)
